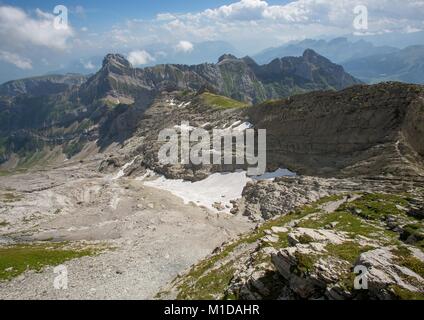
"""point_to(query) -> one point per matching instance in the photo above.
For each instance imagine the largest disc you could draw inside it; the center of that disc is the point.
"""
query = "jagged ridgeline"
(69, 111)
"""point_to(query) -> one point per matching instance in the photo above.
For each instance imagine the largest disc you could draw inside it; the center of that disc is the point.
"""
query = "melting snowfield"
(217, 188)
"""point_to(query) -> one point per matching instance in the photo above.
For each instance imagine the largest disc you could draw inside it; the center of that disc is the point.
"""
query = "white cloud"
(242, 10)
(140, 57)
(18, 29)
(165, 16)
(251, 25)
(184, 46)
(88, 65)
(18, 61)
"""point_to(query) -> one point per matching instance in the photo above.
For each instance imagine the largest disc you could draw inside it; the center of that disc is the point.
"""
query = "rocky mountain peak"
(310, 54)
(249, 61)
(116, 60)
(227, 56)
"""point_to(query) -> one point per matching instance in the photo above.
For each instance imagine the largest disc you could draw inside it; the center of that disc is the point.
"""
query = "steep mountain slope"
(40, 86)
(368, 130)
(406, 65)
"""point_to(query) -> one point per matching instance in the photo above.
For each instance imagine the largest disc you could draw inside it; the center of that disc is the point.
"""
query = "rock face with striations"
(363, 130)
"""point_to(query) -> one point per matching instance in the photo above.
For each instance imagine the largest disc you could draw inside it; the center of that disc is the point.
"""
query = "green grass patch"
(414, 233)
(348, 251)
(221, 102)
(305, 263)
(210, 286)
(15, 260)
(376, 206)
(73, 148)
(404, 294)
(405, 258)
(346, 222)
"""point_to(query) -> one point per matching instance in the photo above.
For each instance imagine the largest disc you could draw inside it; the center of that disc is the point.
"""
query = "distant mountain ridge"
(406, 65)
(337, 50)
(42, 85)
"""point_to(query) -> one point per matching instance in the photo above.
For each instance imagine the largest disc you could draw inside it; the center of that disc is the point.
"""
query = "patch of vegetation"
(404, 294)
(4, 173)
(209, 286)
(30, 159)
(221, 102)
(305, 263)
(405, 258)
(348, 251)
(305, 239)
(15, 260)
(413, 233)
(73, 148)
(10, 197)
(376, 206)
(4, 224)
(346, 222)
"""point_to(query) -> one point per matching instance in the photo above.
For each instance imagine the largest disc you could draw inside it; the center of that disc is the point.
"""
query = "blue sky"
(149, 32)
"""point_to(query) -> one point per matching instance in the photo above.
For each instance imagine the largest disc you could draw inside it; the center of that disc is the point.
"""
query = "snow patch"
(149, 173)
(217, 188)
(121, 172)
(171, 102)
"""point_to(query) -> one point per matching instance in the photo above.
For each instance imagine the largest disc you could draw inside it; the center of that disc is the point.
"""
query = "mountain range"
(338, 50)
(406, 65)
(61, 109)
(364, 60)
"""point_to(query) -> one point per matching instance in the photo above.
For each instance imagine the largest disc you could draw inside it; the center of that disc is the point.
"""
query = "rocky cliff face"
(363, 130)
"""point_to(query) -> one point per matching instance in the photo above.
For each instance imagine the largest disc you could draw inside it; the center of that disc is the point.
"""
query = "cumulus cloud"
(18, 29)
(184, 46)
(140, 57)
(18, 61)
(251, 25)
